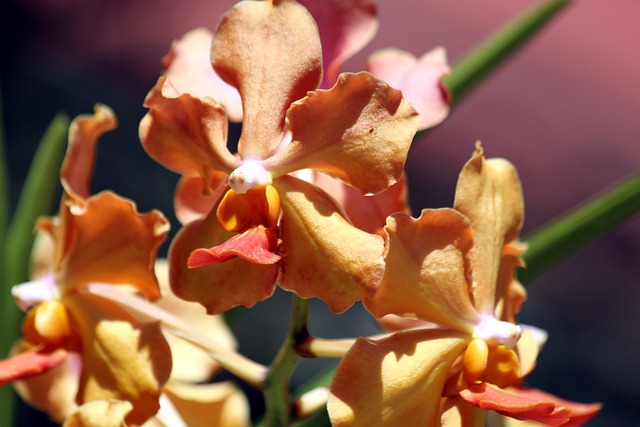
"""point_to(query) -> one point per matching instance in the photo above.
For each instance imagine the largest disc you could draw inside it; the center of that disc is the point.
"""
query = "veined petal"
(420, 80)
(28, 363)
(323, 255)
(397, 381)
(489, 194)
(194, 198)
(84, 131)
(218, 287)
(108, 241)
(101, 413)
(122, 359)
(255, 245)
(359, 131)
(277, 65)
(530, 404)
(186, 134)
(188, 69)
(368, 213)
(205, 405)
(345, 28)
(426, 269)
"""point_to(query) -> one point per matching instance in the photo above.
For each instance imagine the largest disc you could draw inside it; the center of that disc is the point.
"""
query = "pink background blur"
(565, 110)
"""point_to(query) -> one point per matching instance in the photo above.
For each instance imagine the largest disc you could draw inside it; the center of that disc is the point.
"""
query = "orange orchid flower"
(97, 238)
(262, 224)
(454, 270)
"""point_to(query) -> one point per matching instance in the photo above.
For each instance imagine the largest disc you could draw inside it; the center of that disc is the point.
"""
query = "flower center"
(497, 332)
(256, 207)
(495, 365)
(251, 174)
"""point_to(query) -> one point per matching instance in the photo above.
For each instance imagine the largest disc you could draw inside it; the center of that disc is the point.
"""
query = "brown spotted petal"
(79, 161)
(426, 269)
(323, 255)
(359, 131)
(270, 51)
(108, 241)
(186, 134)
(218, 287)
(489, 194)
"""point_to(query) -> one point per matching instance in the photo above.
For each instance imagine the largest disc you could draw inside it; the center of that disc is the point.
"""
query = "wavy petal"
(194, 198)
(185, 134)
(359, 131)
(108, 241)
(255, 245)
(218, 287)
(345, 28)
(396, 381)
(489, 194)
(426, 269)
(101, 413)
(277, 65)
(323, 255)
(188, 69)
(84, 131)
(420, 80)
(122, 359)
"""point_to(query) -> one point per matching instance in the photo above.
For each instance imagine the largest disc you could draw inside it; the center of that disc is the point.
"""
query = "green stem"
(5, 205)
(574, 230)
(276, 391)
(468, 72)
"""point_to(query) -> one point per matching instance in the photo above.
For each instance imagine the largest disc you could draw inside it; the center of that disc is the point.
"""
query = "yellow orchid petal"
(219, 286)
(359, 131)
(256, 207)
(503, 368)
(84, 131)
(205, 405)
(49, 323)
(186, 134)
(426, 269)
(489, 194)
(475, 360)
(101, 413)
(122, 359)
(107, 241)
(323, 255)
(277, 65)
(397, 381)
(457, 413)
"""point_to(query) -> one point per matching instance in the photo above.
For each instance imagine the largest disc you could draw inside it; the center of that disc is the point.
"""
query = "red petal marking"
(530, 404)
(254, 245)
(29, 363)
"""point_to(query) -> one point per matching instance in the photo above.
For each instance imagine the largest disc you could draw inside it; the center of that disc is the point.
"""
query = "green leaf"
(5, 206)
(565, 235)
(484, 58)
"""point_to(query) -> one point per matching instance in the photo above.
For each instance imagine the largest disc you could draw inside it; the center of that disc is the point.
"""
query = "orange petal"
(426, 269)
(420, 80)
(368, 213)
(397, 381)
(188, 70)
(122, 358)
(456, 413)
(84, 132)
(108, 241)
(277, 65)
(100, 413)
(186, 134)
(194, 198)
(359, 131)
(255, 245)
(218, 287)
(489, 194)
(530, 404)
(323, 255)
(29, 363)
(345, 28)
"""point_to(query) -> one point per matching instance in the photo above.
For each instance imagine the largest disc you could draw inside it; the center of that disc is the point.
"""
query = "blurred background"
(565, 111)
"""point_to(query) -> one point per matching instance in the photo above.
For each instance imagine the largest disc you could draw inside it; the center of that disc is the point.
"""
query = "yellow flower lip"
(249, 175)
(497, 332)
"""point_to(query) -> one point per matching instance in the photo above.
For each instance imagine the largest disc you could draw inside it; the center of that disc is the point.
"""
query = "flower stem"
(276, 391)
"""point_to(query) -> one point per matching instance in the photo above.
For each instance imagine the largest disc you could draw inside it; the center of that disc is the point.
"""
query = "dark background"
(565, 110)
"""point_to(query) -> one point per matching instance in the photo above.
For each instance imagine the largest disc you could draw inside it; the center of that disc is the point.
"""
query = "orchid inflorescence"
(314, 201)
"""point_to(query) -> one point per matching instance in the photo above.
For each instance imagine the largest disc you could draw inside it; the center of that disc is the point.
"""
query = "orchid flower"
(453, 269)
(261, 224)
(97, 238)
